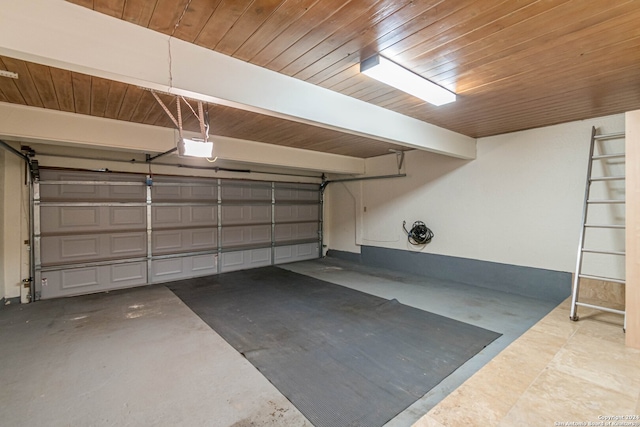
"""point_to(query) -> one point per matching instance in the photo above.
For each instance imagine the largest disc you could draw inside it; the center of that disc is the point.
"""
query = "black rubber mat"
(342, 357)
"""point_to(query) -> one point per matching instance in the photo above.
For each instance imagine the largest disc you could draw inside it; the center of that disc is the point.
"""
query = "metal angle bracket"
(324, 183)
(399, 158)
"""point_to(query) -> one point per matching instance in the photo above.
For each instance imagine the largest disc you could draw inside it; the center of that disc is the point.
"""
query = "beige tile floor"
(557, 373)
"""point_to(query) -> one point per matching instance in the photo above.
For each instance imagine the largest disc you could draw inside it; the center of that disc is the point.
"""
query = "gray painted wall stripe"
(531, 282)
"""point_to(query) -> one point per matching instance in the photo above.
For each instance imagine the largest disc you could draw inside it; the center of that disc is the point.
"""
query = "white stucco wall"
(519, 202)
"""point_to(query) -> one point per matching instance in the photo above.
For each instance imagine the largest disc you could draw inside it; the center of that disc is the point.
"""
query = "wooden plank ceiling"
(42, 86)
(515, 64)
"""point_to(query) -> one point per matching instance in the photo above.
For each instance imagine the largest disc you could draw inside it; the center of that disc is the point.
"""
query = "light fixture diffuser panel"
(392, 74)
(191, 148)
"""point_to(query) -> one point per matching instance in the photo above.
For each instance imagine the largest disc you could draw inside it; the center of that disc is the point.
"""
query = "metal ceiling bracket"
(150, 158)
(399, 158)
(34, 168)
(399, 161)
(324, 183)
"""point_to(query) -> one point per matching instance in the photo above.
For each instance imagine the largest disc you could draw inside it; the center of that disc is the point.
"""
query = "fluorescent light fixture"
(193, 148)
(392, 74)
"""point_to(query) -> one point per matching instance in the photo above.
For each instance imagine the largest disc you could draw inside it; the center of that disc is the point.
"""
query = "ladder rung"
(607, 156)
(597, 251)
(606, 279)
(605, 226)
(611, 201)
(598, 307)
(609, 136)
(607, 178)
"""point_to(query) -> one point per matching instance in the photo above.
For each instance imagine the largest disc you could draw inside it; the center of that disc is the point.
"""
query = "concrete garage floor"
(141, 357)
(138, 357)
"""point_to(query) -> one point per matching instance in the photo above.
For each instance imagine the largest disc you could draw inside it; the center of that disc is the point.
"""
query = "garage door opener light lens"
(193, 148)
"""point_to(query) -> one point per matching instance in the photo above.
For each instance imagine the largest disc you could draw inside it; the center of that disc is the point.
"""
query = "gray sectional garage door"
(102, 231)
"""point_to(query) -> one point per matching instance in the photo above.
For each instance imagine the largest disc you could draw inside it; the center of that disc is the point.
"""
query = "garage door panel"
(71, 248)
(204, 265)
(296, 213)
(167, 241)
(293, 253)
(204, 193)
(94, 234)
(238, 214)
(132, 244)
(242, 260)
(246, 235)
(182, 192)
(84, 219)
(70, 217)
(185, 240)
(203, 215)
(296, 231)
(165, 193)
(80, 277)
(127, 192)
(204, 238)
(62, 249)
(244, 191)
(79, 281)
(70, 191)
(183, 216)
(167, 269)
(94, 192)
(176, 193)
(101, 193)
(127, 216)
(130, 273)
(296, 192)
(71, 175)
(167, 216)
